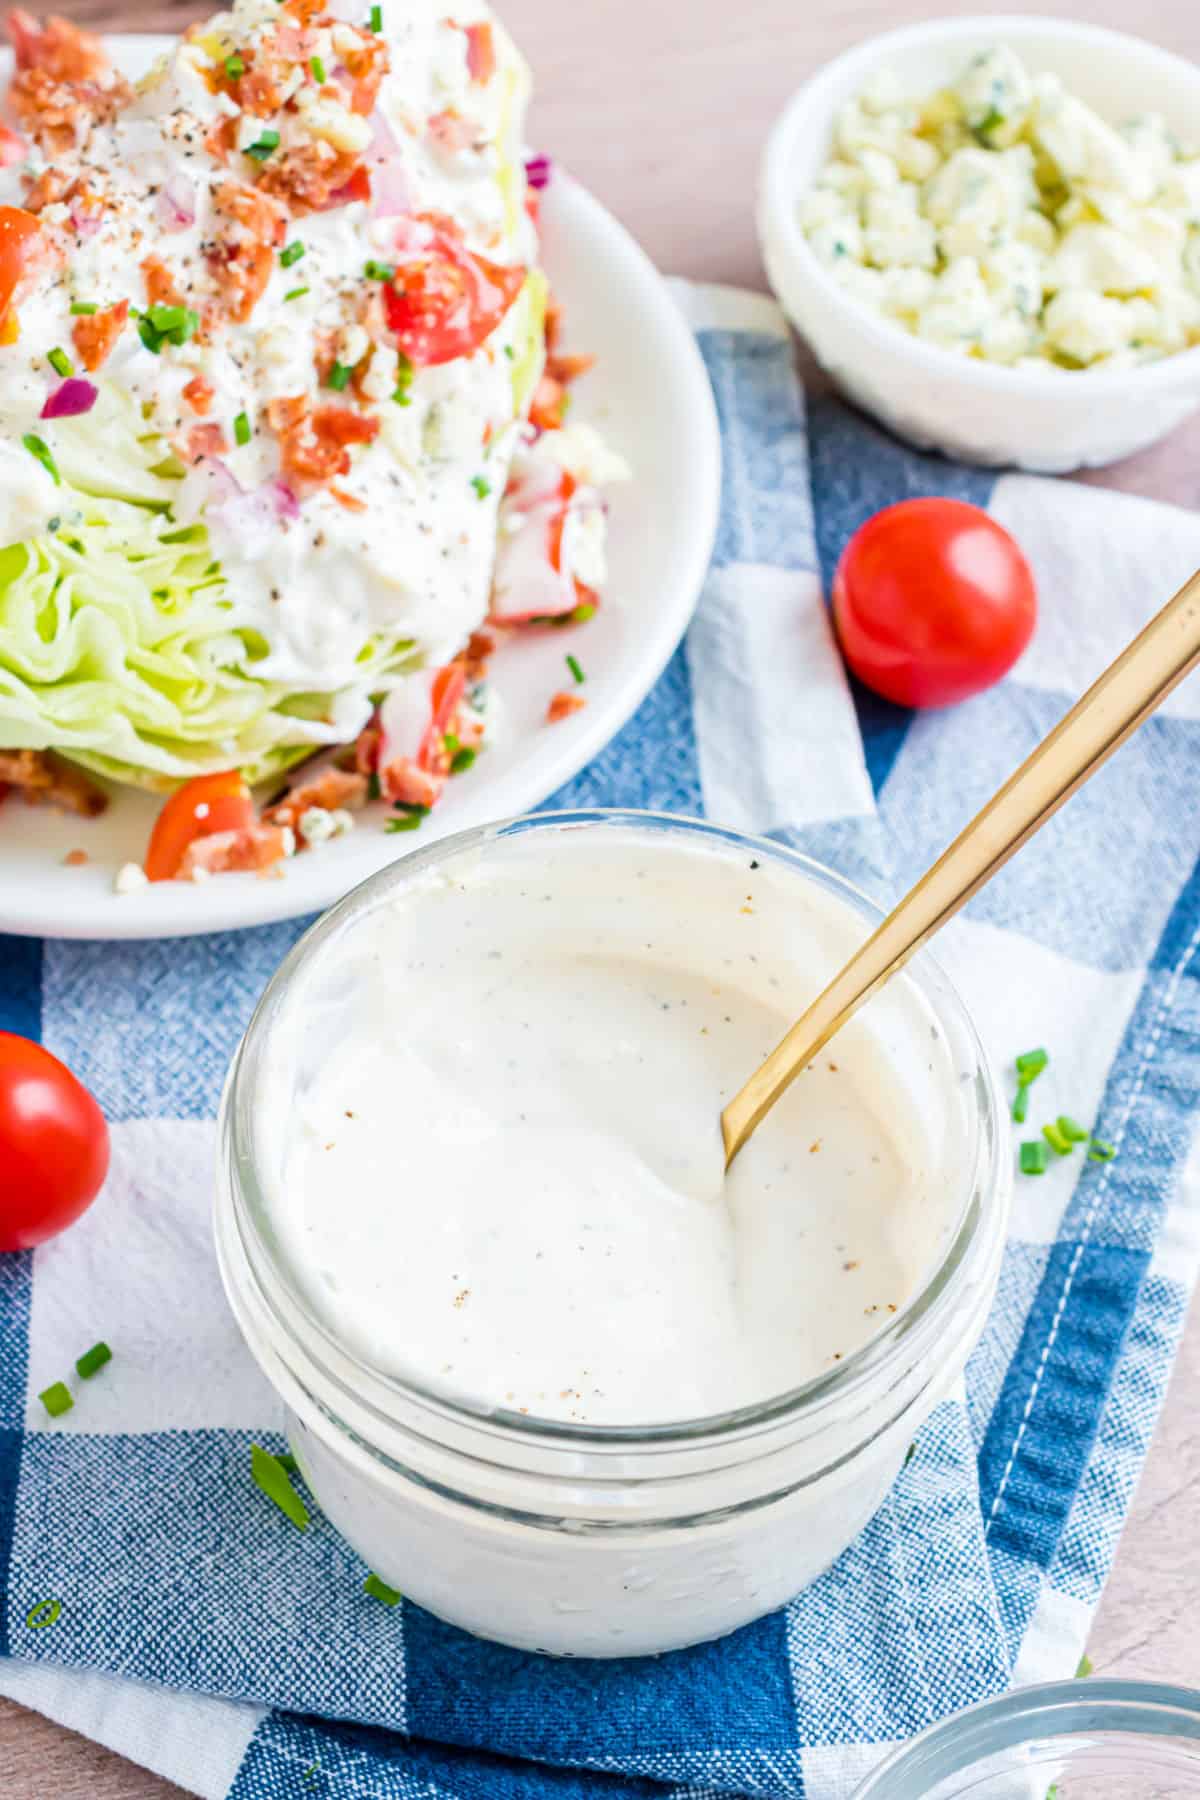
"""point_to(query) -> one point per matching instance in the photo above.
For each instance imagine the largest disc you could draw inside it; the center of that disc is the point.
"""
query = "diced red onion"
(175, 204)
(538, 170)
(252, 519)
(391, 195)
(70, 399)
(84, 221)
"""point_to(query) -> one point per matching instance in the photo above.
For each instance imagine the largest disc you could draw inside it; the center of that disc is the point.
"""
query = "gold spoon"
(1129, 690)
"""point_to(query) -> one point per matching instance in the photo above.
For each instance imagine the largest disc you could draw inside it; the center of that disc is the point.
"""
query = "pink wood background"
(661, 106)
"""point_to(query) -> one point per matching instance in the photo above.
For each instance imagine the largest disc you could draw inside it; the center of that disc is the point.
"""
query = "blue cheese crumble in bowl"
(989, 232)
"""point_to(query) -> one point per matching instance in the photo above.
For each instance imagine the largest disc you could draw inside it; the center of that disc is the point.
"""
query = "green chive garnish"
(1100, 1151)
(160, 325)
(264, 145)
(291, 253)
(234, 66)
(241, 429)
(1020, 1105)
(404, 375)
(93, 1360)
(57, 1399)
(582, 613)
(462, 759)
(406, 818)
(295, 293)
(1057, 1140)
(377, 18)
(1034, 1158)
(60, 362)
(379, 1590)
(270, 1476)
(1086, 1667)
(577, 672)
(450, 743)
(82, 309)
(1071, 1130)
(338, 376)
(37, 448)
(379, 271)
(482, 486)
(318, 69)
(1030, 1064)
(909, 1454)
(45, 1613)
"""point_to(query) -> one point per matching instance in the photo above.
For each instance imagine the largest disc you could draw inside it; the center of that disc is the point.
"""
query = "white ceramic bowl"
(1052, 419)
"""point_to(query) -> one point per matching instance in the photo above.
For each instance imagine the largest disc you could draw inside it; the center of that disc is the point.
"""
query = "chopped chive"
(482, 486)
(1057, 1140)
(909, 1454)
(1020, 1105)
(56, 1399)
(379, 271)
(374, 790)
(262, 147)
(377, 18)
(339, 376)
(241, 429)
(318, 69)
(60, 362)
(577, 672)
(36, 447)
(1071, 1130)
(1086, 1667)
(82, 309)
(234, 66)
(1101, 1151)
(1030, 1065)
(93, 1360)
(379, 1590)
(270, 1477)
(404, 375)
(461, 760)
(166, 318)
(585, 611)
(291, 253)
(406, 818)
(1034, 1157)
(510, 353)
(450, 743)
(295, 293)
(46, 1612)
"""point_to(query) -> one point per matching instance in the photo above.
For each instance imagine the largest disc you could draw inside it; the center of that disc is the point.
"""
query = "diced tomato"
(562, 706)
(199, 394)
(406, 783)
(94, 334)
(417, 777)
(20, 233)
(205, 805)
(13, 148)
(206, 440)
(445, 300)
(449, 686)
(481, 52)
(357, 186)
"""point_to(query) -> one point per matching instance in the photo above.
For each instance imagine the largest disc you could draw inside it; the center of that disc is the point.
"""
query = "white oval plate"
(651, 397)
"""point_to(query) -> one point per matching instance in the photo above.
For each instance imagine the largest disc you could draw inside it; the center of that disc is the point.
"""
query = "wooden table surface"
(673, 150)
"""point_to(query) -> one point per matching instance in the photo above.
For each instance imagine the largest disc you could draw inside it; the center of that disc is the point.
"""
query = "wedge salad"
(282, 420)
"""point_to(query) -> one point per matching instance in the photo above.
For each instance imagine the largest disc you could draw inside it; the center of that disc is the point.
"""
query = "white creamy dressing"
(502, 1171)
(417, 562)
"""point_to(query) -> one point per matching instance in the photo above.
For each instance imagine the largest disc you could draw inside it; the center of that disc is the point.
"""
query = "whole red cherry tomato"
(53, 1145)
(933, 601)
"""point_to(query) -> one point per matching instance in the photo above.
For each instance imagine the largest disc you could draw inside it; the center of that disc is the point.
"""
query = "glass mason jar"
(561, 1537)
(1097, 1739)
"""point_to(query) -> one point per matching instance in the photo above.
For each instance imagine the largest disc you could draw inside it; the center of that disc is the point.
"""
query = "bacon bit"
(50, 187)
(303, 10)
(257, 215)
(451, 132)
(366, 747)
(58, 47)
(160, 284)
(565, 369)
(56, 113)
(242, 271)
(554, 321)
(199, 394)
(332, 790)
(562, 706)
(45, 778)
(546, 413)
(220, 140)
(257, 847)
(75, 859)
(366, 64)
(481, 52)
(206, 440)
(286, 413)
(404, 781)
(258, 92)
(480, 647)
(351, 502)
(94, 334)
(314, 178)
(314, 447)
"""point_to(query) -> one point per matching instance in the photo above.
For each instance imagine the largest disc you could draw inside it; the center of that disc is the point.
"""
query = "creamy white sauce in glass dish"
(551, 1373)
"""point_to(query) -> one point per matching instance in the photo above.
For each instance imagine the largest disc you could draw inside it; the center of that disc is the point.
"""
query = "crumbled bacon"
(405, 783)
(161, 289)
(75, 859)
(94, 334)
(332, 790)
(350, 502)
(51, 186)
(313, 177)
(244, 258)
(314, 446)
(562, 706)
(366, 64)
(565, 369)
(56, 113)
(206, 440)
(546, 413)
(47, 779)
(451, 132)
(220, 140)
(199, 394)
(58, 47)
(257, 848)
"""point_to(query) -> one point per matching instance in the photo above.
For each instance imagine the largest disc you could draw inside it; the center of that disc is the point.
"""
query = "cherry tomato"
(445, 300)
(933, 601)
(19, 232)
(481, 52)
(53, 1145)
(202, 806)
(449, 685)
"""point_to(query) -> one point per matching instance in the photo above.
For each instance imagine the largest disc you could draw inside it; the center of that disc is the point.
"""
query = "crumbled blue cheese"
(1003, 219)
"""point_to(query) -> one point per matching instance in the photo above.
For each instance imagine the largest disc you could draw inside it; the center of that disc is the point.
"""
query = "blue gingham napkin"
(202, 1636)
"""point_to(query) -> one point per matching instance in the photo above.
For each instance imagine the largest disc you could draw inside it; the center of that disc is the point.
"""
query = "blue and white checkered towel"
(202, 1636)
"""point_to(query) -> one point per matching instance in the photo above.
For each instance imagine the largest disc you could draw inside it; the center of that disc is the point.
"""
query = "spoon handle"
(1126, 693)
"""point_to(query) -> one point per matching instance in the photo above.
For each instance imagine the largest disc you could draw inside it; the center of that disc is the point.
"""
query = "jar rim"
(980, 1218)
(1041, 1713)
